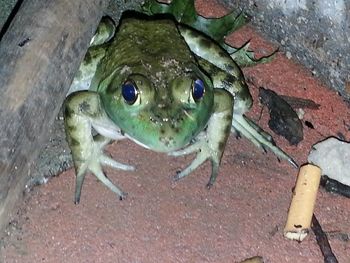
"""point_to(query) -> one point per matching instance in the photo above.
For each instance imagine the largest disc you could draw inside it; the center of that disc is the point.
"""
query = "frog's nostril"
(157, 119)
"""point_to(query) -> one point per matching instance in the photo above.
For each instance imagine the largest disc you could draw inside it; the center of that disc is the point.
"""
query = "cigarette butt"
(303, 203)
(256, 259)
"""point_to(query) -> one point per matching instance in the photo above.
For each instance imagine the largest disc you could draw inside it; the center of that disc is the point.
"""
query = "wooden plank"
(39, 54)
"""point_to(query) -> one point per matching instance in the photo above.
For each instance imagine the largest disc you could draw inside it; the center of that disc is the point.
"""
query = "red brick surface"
(160, 221)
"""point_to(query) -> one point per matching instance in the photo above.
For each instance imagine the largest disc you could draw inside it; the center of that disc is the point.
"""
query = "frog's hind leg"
(259, 137)
(96, 51)
(241, 124)
(226, 74)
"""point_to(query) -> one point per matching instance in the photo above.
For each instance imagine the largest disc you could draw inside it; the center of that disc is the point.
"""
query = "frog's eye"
(198, 90)
(130, 92)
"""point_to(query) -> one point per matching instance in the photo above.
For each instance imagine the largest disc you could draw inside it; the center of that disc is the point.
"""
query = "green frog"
(163, 85)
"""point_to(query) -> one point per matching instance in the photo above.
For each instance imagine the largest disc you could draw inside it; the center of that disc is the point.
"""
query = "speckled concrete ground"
(160, 221)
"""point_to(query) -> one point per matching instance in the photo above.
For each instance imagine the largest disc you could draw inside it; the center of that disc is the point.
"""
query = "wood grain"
(39, 54)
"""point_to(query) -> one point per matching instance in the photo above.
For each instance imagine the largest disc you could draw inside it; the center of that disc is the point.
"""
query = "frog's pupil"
(198, 89)
(129, 92)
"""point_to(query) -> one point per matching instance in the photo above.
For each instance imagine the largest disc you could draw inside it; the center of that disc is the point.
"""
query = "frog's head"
(160, 112)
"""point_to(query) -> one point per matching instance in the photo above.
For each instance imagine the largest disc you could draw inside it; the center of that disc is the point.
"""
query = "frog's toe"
(200, 158)
(79, 180)
(204, 153)
(97, 171)
(106, 160)
(258, 137)
(214, 172)
(195, 147)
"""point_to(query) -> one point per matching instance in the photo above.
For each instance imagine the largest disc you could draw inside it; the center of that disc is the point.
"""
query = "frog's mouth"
(165, 131)
(164, 144)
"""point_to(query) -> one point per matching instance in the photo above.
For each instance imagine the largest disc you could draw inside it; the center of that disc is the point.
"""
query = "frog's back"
(149, 41)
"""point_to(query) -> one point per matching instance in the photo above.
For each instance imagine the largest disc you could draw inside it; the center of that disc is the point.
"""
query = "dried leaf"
(184, 12)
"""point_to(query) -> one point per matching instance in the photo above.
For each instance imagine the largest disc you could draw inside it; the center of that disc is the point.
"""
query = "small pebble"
(288, 55)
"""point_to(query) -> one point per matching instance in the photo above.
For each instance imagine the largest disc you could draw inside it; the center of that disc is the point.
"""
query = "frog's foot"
(204, 152)
(246, 127)
(93, 163)
(210, 144)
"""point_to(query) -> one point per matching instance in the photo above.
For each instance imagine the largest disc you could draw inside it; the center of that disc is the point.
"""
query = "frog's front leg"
(228, 75)
(211, 143)
(82, 112)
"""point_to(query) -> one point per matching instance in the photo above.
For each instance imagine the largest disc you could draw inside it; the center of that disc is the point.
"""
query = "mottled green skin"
(163, 60)
(163, 68)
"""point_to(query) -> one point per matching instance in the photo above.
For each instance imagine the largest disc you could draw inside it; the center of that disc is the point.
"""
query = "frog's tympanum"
(163, 85)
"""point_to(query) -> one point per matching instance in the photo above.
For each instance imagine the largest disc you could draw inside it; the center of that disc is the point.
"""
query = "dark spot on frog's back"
(192, 33)
(228, 128)
(72, 128)
(230, 67)
(223, 54)
(68, 112)
(205, 43)
(228, 118)
(230, 79)
(84, 106)
(74, 143)
(87, 58)
(222, 146)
